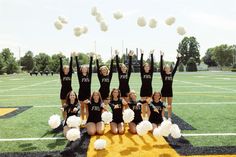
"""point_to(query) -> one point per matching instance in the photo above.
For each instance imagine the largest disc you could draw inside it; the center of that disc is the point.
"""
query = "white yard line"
(205, 85)
(205, 103)
(30, 95)
(62, 138)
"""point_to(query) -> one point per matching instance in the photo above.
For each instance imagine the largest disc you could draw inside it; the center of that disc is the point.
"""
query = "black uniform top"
(124, 77)
(146, 88)
(137, 108)
(95, 112)
(117, 110)
(84, 81)
(69, 108)
(156, 117)
(105, 81)
(167, 79)
(65, 80)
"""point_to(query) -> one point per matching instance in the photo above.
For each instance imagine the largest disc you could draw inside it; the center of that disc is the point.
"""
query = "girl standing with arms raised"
(66, 78)
(85, 78)
(104, 76)
(124, 75)
(146, 71)
(167, 77)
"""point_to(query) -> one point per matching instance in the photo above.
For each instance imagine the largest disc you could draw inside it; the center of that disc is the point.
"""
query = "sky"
(29, 25)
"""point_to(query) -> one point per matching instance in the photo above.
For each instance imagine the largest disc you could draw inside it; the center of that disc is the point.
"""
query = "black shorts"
(118, 120)
(64, 93)
(136, 121)
(166, 92)
(93, 120)
(104, 94)
(156, 121)
(124, 91)
(145, 92)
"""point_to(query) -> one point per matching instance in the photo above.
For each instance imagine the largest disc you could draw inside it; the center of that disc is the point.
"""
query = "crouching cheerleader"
(117, 105)
(94, 122)
(156, 110)
(71, 108)
(136, 106)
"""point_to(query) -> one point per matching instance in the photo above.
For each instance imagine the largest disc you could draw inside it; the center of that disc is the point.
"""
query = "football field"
(206, 101)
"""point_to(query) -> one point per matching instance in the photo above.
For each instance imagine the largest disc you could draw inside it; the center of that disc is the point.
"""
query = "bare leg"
(82, 107)
(154, 126)
(91, 128)
(100, 128)
(144, 107)
(114, 127)
(65, 130)
(121, 128)
(63, 113)
(132, 128)
(169, 107)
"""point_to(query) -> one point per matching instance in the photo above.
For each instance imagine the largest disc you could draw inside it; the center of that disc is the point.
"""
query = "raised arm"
(98, 72)
(176, 65)
(91, 66)
(161, 65)
(152, 63)
(118, 65)
(61, 67)
(111, 70)
(141, 64)
(130, 66)
(71, 68)
(78, 66)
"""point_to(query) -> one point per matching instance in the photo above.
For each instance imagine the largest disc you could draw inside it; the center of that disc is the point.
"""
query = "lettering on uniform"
(85, 79)
(66, 78)
(147, 76)
(168, 78)
(105, 80)
(95, 108)
(137, 107)
(123, 76)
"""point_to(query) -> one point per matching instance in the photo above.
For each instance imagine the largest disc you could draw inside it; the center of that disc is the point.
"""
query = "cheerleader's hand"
(116, 52)
(156, 110)
(161, 53)
(62, 109)
(141, 50)
(86, 101)
(131, 53)
(152, 51)
(98, 56)
(75, 110)
(178, 55)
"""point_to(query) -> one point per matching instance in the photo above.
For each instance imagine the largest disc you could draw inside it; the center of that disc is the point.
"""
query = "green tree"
(6, 54)
(8, 62)
(12, 66)
(223, 54)
(2, 65)
(27, 61)
(209, 58)
(191, 65)
(55, 62)
(42, 60)
(189, 48)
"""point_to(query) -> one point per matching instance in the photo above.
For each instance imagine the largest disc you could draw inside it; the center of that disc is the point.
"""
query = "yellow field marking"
(131, 145)
(4, 111)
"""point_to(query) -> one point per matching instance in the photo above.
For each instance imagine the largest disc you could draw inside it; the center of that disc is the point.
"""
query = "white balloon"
(54, 121)
(73, 134)
(117, 15)
(103, 26)
(62, 19)
(169, 21)
(58, 25)
(94, 11)
(152, 23)
(181, 30)
(100, 144)
(141, 21)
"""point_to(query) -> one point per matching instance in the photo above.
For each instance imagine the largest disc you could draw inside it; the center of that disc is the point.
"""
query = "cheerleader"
(71, 107)
(65, 76)
(84, 77)
(104, 76)
(156, 110)
(94, 122)
(124, 75)
(146, 72)
(136, 106)
(117, 105)
(167, 79)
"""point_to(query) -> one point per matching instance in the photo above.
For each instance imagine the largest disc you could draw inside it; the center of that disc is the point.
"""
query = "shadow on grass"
(58, 142)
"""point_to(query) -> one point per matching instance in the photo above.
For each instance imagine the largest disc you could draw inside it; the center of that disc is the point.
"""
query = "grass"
(206, 100)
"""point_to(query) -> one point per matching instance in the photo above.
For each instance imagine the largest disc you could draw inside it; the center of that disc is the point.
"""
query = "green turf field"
(206, 100)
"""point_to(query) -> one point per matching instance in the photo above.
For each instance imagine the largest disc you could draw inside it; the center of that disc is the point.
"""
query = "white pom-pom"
(141, 21)
(58, 25)
(165, 128)
(100, 144)
(62, 19)
(128, 115)
(99, 18)
(77, 31)
(153, 23)
(103, 26)
(73, 134)
(181, 30)
(94, 11)
(147, 125)
(141, 130)
(54, 121)
(175, 132)
(106, 117)
(169, 21)
(117, 15)
(157, 132)
(84, 30)
(73, 121)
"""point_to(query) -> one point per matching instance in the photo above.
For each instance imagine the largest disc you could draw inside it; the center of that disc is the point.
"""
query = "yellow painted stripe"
(4, 111)
(130, 145)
